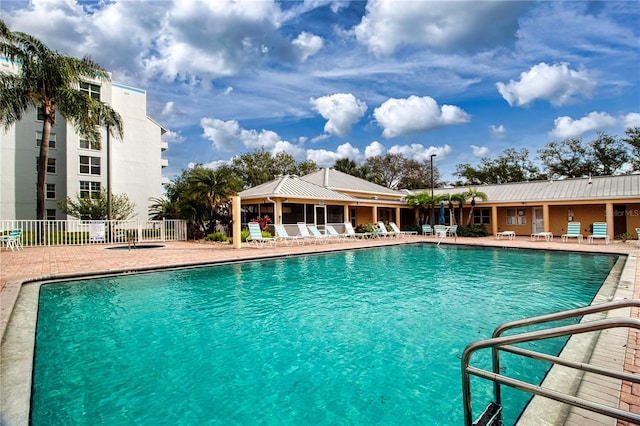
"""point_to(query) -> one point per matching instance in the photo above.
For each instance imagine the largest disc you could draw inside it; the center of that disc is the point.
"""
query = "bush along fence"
(80, 232)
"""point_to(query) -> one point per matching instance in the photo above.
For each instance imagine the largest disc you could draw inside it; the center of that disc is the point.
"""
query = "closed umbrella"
(442, 219)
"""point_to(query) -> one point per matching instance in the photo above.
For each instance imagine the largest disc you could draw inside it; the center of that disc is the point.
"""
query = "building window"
(335, 214)
(481, 216)
(40, 114)
(51, 165)
(51, 191)
(93, 90)
(85, 144)
(516, 216)
(89, 189)
(51, 214)
(52, 139)
(89, 165)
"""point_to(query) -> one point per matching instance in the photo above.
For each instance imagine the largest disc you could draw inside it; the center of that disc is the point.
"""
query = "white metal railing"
(81, 232)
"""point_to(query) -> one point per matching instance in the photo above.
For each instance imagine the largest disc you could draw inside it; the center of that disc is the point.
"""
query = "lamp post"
(431, 213)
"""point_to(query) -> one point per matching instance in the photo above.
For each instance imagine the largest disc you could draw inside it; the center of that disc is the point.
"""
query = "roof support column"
(494, 220)
(374, 212)
(398, 217)
(608, 214)
(346, 213)
(235, 216)
(546, 224)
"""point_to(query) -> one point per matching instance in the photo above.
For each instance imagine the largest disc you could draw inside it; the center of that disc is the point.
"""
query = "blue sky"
(325, 80)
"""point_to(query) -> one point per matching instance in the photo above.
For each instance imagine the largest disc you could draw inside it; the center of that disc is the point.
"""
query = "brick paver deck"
(43, 263)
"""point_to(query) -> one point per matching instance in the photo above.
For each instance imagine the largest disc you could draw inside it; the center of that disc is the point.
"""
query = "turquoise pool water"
(351, 338)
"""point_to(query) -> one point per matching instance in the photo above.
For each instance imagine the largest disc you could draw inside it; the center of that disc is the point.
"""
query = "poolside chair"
(452, 231)
(317, 235)
(350, 232)
(399, 232)
(381, 231)
(573, 231)
(427, 230)
(255, 236)
(638, 235)
(283, 235)
(303, 232)
(331, 231)
(12, 240)
(599, 231)
(440, 231)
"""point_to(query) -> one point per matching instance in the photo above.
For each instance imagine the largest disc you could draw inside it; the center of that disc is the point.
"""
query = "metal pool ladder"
(493, 413)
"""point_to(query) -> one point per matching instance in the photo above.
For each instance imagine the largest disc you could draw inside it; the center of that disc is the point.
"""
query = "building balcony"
(164, 162)
(164, 146)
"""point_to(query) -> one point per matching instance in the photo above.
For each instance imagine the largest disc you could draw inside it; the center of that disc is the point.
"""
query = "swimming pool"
(360, 337)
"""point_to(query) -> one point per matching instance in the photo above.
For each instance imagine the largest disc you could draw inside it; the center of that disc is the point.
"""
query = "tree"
(163, 208)
(452, 200)
(388, 170)
(307, 167)
(633, 139)
(472, 194)
(95, 207)
(511, 166)
(567, 159)
(215, 188)
(257, 167)
(608, 155)
(50, 81)
(421, 201)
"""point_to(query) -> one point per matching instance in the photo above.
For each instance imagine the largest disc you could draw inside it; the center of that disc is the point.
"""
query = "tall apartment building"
(73, 167)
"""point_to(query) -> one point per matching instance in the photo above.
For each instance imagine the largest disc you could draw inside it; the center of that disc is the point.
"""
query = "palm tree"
(50, 81)
(422, 200)
(452, 200)
(161, 208)
(472, 194)
(215, 187)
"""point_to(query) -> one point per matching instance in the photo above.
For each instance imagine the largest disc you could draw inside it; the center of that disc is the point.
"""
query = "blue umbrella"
(442, 220)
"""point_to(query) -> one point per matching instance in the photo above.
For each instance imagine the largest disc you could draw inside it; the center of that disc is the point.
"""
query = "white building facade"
(74, 168)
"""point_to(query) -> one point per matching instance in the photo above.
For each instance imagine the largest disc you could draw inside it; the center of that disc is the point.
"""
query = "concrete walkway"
(45, 263)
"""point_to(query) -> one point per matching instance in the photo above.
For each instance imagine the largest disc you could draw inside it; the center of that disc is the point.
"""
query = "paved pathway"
(34, 264)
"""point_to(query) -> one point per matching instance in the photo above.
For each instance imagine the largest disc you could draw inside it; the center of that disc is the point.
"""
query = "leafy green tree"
(95, 207)
(306, 167)
(163, 208)
(633, 140)
(511, 166)
(215, 188)
(609, 155)
(50, 81)
(568, 159)
(472, 194)
(424, 202)
(257, 167)
(452, 201)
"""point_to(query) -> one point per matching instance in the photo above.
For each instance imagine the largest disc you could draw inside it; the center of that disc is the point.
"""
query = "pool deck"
(46, 263)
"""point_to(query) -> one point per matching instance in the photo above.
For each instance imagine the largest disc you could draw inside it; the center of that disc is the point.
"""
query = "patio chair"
(427, 230)
(573, 231)
(638, 235)
(399, 232)
(331, 231)
(440, 231)
(381, 231)
(12, 240)
(255, 236)
(506, 234)
(452, 231)
(283, 235)
(317, 235)
(303, 232)
(350, 232)
(599, 231)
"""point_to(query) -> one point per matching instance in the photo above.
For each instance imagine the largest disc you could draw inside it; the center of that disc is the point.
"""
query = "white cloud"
(307, 44)
(442, 25)
(419, 152)
(326, 158)
(173, 137)
(342, 110)
(566, 127)
(415, 115)
(631, 120)
(374, 149)
(556, 83)
(223, 134)
(479, 151)
(497, 132)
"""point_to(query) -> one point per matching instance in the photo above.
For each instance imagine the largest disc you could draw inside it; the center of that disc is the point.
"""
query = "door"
(619, 219)
(321, 216)
(538, 221)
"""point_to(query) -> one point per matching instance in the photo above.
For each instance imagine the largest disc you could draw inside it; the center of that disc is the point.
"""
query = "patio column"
(346, 213)
(398, 217)
(374, 212)
(494, 220)
(608, 214)
(236, 219)
(546, 224)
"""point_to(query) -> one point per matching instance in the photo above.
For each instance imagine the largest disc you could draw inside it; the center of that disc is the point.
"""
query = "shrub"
(416, 228)
(217, 236)
(472, 231)
(626, 236)
(244, 234)
(367, 227)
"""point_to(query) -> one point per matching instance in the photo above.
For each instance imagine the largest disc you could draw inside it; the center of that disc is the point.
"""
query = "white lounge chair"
(353, 234)
(638, 235)
(255, 236)
(599, 231)
(381, 231)
(399, 232)
(283, 235)
(317, 235)
(573, 231)
(304, 233)
(506, 234)
(12, 240)
(331, 231)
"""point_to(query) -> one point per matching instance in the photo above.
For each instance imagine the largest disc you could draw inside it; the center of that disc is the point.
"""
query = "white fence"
(80, 232)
